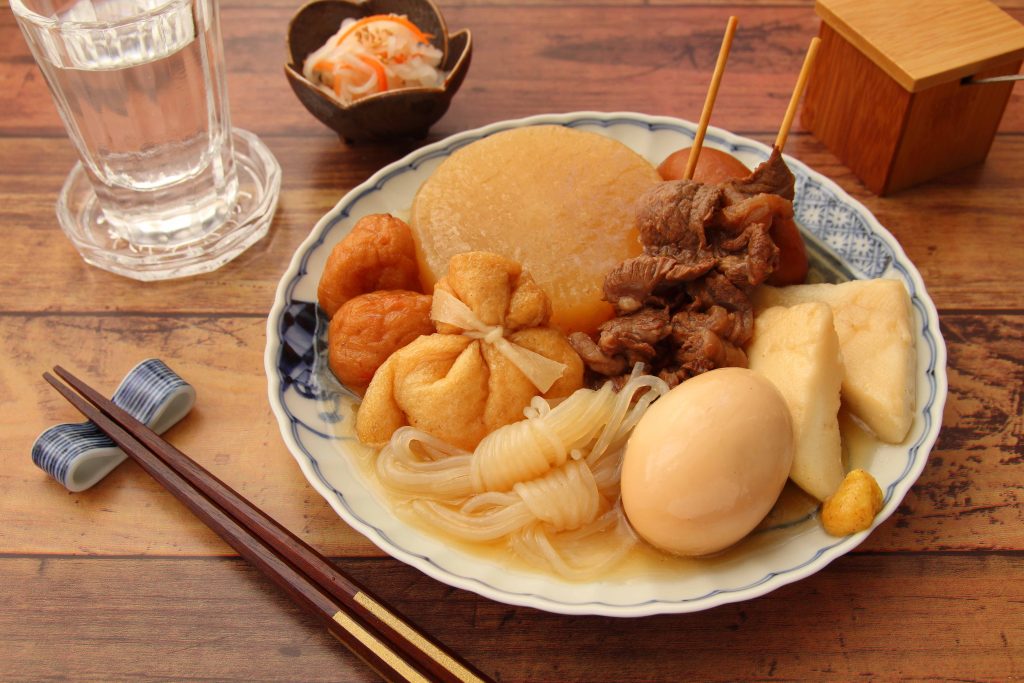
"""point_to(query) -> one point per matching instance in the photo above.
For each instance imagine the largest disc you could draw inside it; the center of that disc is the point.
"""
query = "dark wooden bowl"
(400, 113)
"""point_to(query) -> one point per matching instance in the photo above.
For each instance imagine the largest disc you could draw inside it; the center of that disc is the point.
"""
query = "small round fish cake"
(370, 327)
(377, 254)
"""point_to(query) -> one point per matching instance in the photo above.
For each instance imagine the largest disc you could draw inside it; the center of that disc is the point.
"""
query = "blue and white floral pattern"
(845, 241)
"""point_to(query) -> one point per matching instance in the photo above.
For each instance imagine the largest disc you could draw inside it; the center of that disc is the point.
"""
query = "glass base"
(259, 183)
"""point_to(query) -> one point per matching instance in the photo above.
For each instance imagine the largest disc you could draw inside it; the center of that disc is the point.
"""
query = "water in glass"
(140, 86)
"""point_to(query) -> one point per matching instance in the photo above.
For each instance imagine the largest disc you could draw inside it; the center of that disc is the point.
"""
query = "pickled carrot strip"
(378, 68)
(417, 33)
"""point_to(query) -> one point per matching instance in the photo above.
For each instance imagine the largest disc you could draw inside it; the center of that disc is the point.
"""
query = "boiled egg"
(707, 461)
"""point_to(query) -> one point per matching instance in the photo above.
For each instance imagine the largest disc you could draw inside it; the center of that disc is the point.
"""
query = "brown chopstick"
(368, 627)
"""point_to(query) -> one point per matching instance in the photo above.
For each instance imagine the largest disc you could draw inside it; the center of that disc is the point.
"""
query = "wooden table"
(122, 583)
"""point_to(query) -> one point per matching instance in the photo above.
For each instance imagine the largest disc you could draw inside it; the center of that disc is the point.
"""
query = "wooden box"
(887, 93)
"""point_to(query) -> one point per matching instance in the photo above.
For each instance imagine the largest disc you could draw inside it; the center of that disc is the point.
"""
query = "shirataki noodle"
(548, 484)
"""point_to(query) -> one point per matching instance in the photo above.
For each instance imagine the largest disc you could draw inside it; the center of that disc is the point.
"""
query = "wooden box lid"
(922, 43)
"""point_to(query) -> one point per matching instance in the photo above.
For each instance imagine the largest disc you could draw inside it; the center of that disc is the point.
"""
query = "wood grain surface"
(121, 583)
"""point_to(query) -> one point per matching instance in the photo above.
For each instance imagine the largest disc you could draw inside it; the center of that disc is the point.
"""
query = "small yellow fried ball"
(853, 506)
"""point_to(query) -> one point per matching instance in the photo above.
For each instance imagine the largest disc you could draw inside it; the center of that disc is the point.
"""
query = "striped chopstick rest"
(79, 455)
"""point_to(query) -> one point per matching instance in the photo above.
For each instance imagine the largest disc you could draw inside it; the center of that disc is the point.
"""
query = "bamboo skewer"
(709, 101)
(798, 91)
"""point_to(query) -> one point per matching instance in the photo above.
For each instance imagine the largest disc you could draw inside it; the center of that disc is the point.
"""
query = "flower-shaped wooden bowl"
(399, 113)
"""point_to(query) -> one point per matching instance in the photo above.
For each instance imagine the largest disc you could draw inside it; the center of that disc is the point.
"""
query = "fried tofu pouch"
(457, 384)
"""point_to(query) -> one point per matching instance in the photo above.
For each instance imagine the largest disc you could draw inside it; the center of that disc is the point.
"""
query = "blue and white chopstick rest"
(79, 455)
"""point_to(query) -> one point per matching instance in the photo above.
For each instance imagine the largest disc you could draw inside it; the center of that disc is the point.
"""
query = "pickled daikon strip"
(372, 55)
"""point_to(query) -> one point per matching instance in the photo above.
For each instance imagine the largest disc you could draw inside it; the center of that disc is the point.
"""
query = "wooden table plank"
(938, 617)
(968, 497)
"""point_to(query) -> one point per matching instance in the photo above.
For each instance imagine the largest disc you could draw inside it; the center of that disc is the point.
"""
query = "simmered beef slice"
(677, 213)
(745, 249)
(736, 327)
(634, 336)
(624, 341)
(645, 280)
(771, 177)
(594, 358)
(701, 353)
(756, 209)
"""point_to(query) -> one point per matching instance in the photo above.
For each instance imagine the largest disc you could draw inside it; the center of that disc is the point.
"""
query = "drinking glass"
(164, 187)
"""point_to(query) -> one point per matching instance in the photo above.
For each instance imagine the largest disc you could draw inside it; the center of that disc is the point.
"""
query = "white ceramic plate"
(845, 241)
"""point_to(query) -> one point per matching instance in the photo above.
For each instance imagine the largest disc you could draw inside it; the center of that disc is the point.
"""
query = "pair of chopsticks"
(365, 625)
(716, 79)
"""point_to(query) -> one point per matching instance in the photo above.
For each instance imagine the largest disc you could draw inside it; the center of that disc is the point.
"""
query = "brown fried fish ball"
(369, 328)
(378, 254)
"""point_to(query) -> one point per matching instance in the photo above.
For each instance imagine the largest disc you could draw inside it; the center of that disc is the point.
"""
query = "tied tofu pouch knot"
(540, 370)
(493, 351)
